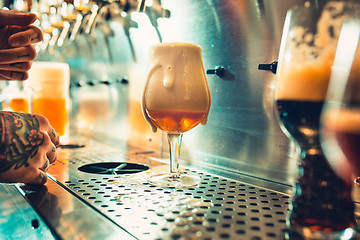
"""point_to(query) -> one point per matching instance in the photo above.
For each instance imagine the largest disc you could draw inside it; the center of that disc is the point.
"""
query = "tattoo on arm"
(20, 138)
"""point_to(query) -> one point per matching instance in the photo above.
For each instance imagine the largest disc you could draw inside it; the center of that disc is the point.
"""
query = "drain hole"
(113, 168)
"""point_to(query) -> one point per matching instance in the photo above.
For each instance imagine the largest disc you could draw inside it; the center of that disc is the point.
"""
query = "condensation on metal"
(218, 208)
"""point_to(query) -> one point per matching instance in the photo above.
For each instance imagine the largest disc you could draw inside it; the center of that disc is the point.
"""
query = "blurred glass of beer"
(49, 82)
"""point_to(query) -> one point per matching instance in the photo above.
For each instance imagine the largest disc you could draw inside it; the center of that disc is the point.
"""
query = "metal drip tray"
(219, 208)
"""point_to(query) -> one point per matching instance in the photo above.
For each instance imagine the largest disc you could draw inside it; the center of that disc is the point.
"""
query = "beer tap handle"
(64, 34)
(129, 23)
(94, 12)
(76, 28)
(45, 42)
(269, 67)
(141, 6)
(222, 73)
(107, 32)
(155, 12)
(83, 12)
(53, 40)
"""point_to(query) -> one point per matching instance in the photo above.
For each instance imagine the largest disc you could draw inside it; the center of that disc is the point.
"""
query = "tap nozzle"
(141, 6)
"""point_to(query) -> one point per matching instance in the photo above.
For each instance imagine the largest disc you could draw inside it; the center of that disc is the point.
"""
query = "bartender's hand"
(27, 147)
(16, 37)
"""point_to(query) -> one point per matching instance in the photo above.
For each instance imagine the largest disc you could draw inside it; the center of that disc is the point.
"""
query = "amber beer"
(19, 105)
(49, 82)
(173, 121)
(54, 109)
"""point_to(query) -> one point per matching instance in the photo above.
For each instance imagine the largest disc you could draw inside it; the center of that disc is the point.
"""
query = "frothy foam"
(176, 80)
(49, 79)
(305, 67)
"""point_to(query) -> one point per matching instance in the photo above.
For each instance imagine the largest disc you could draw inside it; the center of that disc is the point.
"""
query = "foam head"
(49, 79)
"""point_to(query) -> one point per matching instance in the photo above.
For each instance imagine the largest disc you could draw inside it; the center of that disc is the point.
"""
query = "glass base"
(174, 181)
(307, 233)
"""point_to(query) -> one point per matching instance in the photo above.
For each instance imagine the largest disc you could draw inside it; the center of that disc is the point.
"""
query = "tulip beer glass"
(176, 98)
(340, 119)
(321, 206)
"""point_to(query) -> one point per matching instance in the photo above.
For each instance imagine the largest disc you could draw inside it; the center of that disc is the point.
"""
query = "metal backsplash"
(242, 134)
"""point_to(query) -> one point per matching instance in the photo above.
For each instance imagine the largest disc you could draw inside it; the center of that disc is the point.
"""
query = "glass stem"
(174, 144)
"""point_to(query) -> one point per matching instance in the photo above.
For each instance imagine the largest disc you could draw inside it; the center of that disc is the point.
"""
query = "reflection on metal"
(18, 220)
(219, 208)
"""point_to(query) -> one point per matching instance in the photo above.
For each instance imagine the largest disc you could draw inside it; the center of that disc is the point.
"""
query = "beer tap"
(129, 23)
(119, 11)
(154, 12)
(83, 12)
(96, 9)
(125, 7)
(53, 40)
(268, 67)
(108, 32)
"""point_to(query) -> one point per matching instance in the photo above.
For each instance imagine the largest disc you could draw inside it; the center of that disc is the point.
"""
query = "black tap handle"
(269, 67)
(220, 71)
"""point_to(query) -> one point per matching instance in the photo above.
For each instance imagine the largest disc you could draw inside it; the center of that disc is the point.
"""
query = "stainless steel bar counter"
(100, 190)
(85, 198)
(82, 204)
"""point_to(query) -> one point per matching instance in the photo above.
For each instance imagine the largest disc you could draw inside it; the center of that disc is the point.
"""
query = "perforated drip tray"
(219, 208)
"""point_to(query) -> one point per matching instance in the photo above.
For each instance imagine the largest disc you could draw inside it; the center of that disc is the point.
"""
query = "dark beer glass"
(321, 206)
(340, 120)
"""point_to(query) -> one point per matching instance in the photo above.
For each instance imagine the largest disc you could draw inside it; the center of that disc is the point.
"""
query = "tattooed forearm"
(20, 139)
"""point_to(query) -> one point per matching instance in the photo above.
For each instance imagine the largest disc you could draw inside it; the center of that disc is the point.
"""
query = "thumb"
(13, 17)
(38, 178)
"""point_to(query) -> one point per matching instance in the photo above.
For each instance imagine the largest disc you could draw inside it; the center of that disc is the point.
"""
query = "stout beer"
(321, 207)
(321, 199)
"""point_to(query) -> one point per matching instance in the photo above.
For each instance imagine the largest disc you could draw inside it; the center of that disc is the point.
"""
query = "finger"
(25, 35)
(45, 166)
(52, 154)
(24, 175)
(12, 17)
(46, 127)
(14, 75)
(2, 77)
(37, 177)
(20, 54)
(17, 66)
(54, 137)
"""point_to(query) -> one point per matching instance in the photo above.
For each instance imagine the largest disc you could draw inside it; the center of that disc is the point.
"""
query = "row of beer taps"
(65, 20)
